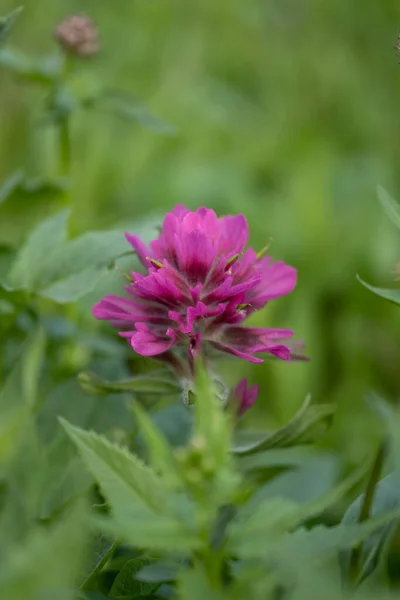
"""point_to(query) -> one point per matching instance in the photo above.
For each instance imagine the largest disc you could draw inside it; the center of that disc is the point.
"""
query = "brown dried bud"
(78, 35)
(397, 45)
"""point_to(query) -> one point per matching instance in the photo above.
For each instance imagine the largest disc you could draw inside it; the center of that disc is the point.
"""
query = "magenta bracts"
(243, 396)
(200, 285)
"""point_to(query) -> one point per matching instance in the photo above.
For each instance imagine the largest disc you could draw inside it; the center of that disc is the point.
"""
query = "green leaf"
(390, 206)
(22, 383)
(306, 481)
(18, 396)
(158, 572)
(46, 562)
(13, 421)
(10, 185)
(145, 511)
(7, 22)
(387, 294)
(386, 498)
(159, 451)
(6, 308)
(91, 596)
(68, 400)
(276, 457)
(101, 551)
(252, 531)
(41, 70)
(269, 518)
(125, 106)
(175, 422)
(93, 384)
(194, 585)
(62, 270)
(37, 249)
(127, 586)
(309, 422)
(65, 475)
(310, 547)
(75, 286)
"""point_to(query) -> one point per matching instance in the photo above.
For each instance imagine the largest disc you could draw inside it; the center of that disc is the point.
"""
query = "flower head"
(78, 35)
(200, 285)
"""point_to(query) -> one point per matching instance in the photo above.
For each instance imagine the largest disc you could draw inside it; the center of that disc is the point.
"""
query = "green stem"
(64, 147)
(64, 134)
(355, 558)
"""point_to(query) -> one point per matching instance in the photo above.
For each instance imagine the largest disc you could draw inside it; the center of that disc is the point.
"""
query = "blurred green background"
(285, 110)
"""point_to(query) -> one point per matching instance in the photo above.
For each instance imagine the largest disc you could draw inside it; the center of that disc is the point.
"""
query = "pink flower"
(243, 397)
(200, 285)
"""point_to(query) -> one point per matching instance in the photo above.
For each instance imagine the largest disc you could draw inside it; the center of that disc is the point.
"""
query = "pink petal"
(234, 234)
(236, 352)
(277, 279)
(140, 248)
(146, 343)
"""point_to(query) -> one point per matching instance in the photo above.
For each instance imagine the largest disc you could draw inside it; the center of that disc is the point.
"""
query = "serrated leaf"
(127, 586)
(145, 511)
(388, 294)
(41, 70)
(309, 421)
(122, 475)
(46, 562)
(141, 384)
(386, 498)
(7, 22)
(391, 207)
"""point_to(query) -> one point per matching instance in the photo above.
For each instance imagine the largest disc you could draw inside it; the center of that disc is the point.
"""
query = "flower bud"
(78, 35)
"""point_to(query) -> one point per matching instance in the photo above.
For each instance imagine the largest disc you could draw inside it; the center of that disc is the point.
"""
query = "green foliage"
(62, 270)
(44, 71)
(392, 210)
(309, 422)
(126, 107)
(390, 206)
(386, 498)
(391, 295)
(46, 562)
(97, 386)
(6, 23)
(126, 584)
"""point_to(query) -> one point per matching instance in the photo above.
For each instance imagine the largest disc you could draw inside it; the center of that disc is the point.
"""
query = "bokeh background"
(285, 110)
